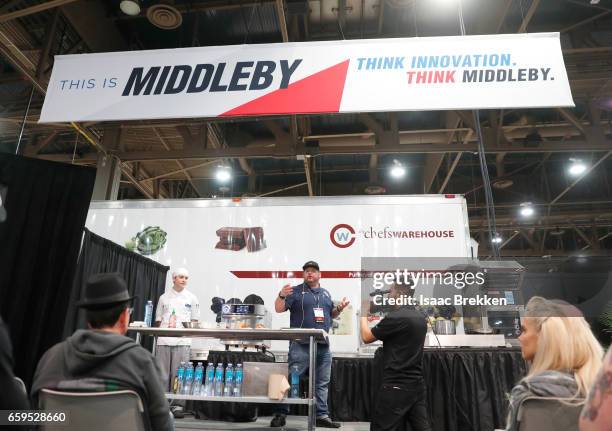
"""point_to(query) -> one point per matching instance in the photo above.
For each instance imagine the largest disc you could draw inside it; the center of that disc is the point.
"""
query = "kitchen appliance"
(444, 327)
(503, 280)
(245, 316)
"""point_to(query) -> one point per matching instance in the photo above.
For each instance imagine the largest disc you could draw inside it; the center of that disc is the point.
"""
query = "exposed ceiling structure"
(528, 150)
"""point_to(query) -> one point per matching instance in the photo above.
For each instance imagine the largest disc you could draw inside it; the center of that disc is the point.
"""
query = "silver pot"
(445, 327)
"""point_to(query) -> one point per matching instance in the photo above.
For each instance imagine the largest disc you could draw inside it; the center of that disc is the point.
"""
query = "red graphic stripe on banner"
(295, 274)
(321, 92)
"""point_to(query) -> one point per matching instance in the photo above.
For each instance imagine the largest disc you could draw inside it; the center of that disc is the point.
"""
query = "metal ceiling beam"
(34, 150)
(50, 38)
(528, 16)
(585, 21)
(34, 9)
(502, 18)
(289, 152)
(450, 173)
(484, 252)
(308, 176)
(582, 235)
(282, 23)
(572, 119)
(577, 180)
(178, 171)
(178, 162)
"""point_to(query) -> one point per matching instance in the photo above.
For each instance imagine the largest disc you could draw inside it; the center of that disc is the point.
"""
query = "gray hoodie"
(112, 359)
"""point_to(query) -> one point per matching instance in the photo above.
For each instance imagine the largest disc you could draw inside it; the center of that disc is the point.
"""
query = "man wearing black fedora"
(102, 357)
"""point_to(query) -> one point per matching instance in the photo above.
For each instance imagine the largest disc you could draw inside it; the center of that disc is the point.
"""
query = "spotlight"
(223, 174)
(577, 168)
(397, 170)
(526, 209)
(496, 239)
(130, 7)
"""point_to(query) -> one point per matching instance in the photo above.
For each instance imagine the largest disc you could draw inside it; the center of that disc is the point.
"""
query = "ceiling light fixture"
(223, 174)
(397, 170)
(130, 7)
(577, 168)
(496, 239)
(526, 209)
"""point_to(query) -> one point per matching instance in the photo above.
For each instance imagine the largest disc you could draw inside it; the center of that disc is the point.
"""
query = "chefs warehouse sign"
(471, 72)
(343, 235)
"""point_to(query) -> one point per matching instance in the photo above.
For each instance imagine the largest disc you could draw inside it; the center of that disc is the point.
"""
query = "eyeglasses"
(130, 310)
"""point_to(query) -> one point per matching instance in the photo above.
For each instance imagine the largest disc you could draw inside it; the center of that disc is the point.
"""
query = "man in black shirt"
(402, 396)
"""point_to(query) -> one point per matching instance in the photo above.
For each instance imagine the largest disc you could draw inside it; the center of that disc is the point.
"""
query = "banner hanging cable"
(482, 157)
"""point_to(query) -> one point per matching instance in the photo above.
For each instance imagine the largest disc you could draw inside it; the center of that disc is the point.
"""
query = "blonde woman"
(563, 354)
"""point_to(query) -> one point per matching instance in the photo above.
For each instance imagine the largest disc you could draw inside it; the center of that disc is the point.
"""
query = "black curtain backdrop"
(145, 278)
(46, 204)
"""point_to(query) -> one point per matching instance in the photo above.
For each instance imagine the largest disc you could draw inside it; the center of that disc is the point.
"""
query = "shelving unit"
(253, 399)
(309, 335)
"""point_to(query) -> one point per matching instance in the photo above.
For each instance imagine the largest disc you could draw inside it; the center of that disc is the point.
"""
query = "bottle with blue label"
(187, 386)
(197, 379)
(218, 380)
(229, 381)
(294, 379)
(238, 380)
(177, 388)
(209, 383)
(148, 313)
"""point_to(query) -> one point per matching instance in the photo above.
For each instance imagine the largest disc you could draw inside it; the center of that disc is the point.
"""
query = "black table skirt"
(467, 388)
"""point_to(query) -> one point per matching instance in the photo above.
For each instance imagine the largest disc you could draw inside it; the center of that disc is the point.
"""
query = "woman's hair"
(565, 342)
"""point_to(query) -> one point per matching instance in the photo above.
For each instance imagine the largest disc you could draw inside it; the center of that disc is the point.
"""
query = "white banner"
(208, 238)
(470, 72)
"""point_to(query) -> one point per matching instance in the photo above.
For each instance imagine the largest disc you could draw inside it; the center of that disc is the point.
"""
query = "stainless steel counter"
(239, 334)
(310, 335)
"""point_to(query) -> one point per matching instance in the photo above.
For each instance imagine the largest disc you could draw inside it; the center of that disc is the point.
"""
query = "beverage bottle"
(294, 379)
(219, 380)
(197, 379)
(188, 379)
(229, 381)
(172, 321)
(149, 313)
(210, 380)
(238, 381)
(177, 388)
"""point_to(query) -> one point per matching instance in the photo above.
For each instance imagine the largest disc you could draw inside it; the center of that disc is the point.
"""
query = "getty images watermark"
(443, 283)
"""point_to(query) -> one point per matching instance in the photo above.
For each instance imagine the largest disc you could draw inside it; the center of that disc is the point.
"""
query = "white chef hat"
(180, 271)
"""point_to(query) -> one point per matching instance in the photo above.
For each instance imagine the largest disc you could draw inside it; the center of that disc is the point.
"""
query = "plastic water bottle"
(229, 381)
(149, 313)
(219, 380)
(238, 381)
(188, 379)
(197, 379)
(179, 379)
(295, 382)
(210, 380)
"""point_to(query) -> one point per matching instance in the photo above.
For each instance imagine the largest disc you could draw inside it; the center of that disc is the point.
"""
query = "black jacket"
(12, 396)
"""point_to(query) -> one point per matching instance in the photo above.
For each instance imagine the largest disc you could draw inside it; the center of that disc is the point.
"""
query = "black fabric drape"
(466, 387)
(145, 278)
(46, 206)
